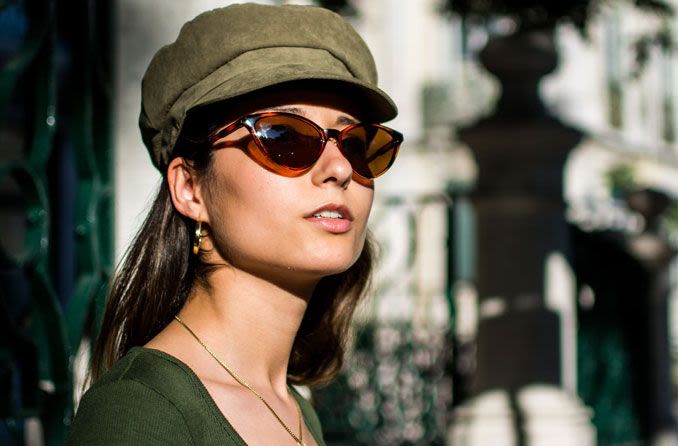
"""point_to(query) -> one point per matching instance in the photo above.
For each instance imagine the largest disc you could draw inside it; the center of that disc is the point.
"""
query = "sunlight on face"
(308, 226)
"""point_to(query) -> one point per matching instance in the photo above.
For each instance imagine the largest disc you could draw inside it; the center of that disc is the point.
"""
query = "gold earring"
(198, 237)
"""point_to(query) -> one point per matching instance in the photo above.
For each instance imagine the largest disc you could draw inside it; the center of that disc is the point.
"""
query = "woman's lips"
(332, 218)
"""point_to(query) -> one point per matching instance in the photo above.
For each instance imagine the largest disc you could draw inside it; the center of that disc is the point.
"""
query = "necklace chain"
(235, 376)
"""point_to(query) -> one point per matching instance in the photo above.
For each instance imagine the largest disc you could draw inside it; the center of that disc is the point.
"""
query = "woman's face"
(282, 228)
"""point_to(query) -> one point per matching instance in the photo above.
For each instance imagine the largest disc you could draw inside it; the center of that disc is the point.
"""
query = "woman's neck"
(250, 323)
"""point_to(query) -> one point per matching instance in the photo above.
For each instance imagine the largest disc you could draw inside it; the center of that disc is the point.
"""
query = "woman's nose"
(332, 167)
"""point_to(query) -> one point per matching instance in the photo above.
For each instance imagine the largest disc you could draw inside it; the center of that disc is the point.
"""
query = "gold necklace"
(235, 376)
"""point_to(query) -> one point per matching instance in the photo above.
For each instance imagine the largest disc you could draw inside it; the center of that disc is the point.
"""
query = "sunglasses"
(289, 144)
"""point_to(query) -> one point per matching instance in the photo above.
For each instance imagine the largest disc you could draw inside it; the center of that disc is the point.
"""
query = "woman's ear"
(185, 190)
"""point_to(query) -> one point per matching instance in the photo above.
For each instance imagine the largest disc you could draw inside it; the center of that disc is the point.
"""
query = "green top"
(152, 398)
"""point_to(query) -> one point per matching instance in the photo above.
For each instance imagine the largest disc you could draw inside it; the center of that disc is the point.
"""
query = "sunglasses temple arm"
(226, 144)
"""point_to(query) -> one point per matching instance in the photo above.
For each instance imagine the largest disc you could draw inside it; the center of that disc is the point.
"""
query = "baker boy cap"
(231, 51)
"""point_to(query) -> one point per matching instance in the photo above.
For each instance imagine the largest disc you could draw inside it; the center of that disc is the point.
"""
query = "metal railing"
(56, 209)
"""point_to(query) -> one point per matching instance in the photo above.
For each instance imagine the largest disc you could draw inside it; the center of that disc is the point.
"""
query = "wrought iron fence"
(396, 387)
(56, 204)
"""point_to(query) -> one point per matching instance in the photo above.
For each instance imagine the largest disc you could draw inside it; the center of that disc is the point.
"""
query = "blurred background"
(526, 292)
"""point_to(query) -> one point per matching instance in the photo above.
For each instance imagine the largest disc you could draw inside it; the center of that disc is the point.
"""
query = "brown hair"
(159, 270)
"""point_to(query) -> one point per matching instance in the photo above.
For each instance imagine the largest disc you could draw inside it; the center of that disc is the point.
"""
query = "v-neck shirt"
(149, 397)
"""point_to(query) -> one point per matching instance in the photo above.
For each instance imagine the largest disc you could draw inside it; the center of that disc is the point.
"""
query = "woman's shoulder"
(152, 368)
(147, 397)
(149, 371)
(127, 405)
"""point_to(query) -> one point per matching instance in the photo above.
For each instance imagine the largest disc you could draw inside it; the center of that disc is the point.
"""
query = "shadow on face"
(203, 121)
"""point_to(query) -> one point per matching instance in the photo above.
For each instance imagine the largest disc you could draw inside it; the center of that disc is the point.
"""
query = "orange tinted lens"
(370, 149)
(288, 141)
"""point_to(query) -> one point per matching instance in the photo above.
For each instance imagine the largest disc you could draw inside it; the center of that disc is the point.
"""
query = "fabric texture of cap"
(231, 51)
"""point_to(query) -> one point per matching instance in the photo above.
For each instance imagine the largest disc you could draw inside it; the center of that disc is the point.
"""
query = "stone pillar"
(520, 151)
(655, 254)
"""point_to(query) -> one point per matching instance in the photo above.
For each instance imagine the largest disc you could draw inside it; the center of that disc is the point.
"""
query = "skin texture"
(272, 254)
(259, 219)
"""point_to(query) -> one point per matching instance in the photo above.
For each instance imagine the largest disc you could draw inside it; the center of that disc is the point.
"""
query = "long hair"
(159, 270)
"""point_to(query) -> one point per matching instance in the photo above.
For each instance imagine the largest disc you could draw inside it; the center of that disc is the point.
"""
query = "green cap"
(231, 51)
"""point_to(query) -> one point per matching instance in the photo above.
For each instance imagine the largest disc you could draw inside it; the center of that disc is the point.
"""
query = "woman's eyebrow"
(289, 109)
(345, 120)
(341, 120)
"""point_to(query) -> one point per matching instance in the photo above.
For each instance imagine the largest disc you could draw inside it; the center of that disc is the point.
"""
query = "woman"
(245, 275)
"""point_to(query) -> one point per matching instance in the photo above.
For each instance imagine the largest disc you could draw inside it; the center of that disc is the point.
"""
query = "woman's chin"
(318, 272)
(332, 264)
(319, 268)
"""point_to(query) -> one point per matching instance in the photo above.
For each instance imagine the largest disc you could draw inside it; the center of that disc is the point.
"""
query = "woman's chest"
(261, 419)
